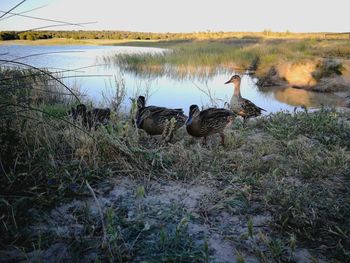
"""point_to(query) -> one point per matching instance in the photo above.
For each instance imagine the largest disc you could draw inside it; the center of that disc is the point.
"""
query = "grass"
(102, 37)
(228, 54)
(289, 169)
(228, 51)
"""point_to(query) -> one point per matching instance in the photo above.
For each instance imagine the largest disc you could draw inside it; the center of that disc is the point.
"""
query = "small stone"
(302, 256)
(269, 157)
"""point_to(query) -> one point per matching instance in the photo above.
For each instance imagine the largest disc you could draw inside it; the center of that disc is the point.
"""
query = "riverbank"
(278, 191)
(313, 64)
(65, 41)
(320, 65)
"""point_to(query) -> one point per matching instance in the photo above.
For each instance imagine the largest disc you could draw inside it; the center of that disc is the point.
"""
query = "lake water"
(164, 90)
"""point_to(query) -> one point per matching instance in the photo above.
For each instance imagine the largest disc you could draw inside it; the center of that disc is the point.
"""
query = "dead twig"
(44, 72)
(13, 8)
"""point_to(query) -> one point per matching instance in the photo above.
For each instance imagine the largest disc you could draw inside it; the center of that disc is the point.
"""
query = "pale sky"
(186, 15)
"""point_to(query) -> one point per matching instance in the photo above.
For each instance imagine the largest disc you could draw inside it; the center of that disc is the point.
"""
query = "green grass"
(293, 167)
(322, 125)
(228, 54)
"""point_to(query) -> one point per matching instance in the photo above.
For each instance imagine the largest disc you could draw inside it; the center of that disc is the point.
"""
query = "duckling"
(153, 119)
(91, 118)
(241, 106)
(80, 112)
(99, 115)
(208, 122)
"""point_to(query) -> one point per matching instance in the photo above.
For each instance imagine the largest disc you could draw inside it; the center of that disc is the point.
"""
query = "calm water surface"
(164, 90)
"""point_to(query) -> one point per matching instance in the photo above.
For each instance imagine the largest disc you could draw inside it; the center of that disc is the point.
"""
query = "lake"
(97, 80)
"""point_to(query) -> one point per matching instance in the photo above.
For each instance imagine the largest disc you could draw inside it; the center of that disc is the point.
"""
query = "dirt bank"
(325, 75)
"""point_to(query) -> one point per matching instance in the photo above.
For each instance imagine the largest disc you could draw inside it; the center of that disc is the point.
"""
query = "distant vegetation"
(257, 54)
(121, 35)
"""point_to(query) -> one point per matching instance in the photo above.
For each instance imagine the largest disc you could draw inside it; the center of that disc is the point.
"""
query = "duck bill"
(227, 82)
(189, 120)
(139, 122)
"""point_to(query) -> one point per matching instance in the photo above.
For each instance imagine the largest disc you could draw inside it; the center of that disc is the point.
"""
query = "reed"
(290, 169)
(229, 54)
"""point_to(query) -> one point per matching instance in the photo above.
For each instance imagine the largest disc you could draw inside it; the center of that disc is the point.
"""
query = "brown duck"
(241, 106)
(208, 122)
(153, 119)
(91, 118)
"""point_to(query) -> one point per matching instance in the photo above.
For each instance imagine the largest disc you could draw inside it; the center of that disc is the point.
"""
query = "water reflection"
(179, 73)
(174, 87)
(299, 97)
(206, 79)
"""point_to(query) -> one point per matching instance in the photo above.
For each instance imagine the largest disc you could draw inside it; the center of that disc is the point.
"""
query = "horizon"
(177, 32)
(180, 17)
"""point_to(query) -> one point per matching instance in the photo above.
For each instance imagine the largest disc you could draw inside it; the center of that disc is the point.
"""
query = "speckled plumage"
(241, 106)
(91, 118)
(245, 108)
(208, 122)
(153, 119)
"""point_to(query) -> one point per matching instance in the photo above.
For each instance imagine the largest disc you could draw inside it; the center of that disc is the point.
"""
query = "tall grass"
(292, 166)
(44, 155)
(228, 54)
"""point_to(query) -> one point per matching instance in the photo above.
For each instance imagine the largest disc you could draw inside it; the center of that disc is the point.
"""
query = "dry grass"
(229, 54)
(289, 169)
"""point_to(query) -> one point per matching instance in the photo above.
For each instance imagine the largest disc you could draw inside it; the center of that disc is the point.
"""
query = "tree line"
(119, 35)
(34, 35)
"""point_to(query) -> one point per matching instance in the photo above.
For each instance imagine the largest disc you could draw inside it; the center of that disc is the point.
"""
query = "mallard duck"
(153, 119)
(99, 115)
(241, 106)
(91, 118)
(208, 122)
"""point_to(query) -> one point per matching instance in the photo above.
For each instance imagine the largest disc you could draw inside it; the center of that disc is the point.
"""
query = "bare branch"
(13, 8)
(30, 10)
(65, 24)
(46, 113)
(45, 19)
(44, 72)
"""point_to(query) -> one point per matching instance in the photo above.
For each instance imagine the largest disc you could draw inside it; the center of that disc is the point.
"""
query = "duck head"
(141, 117)
(81, 110)
(141, 102)
(235, 79)
(193, 112)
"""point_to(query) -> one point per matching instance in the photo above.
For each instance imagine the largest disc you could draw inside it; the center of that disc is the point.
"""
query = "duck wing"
(159, 114)
(214, 113)
(213, 120)
(251, 108)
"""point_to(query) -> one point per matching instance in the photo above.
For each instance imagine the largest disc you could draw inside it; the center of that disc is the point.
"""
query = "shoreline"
(65, 41)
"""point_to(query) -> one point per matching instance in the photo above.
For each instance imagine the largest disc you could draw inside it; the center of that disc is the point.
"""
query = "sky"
(185, 15)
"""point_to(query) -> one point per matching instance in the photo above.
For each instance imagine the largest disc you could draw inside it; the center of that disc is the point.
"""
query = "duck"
(242, 106)
(208, 122)
(93, 117)
(153, 119)
(99, 115)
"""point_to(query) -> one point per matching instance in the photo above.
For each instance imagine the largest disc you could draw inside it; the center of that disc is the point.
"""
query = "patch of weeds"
(322, 125)
(276, 248)
(240, 257)
(328, 68)
(317, 214)
(56, 110)
(311, 160)
(124, 237)
(237, 204)
(176, 245)
(234, 140)
(171, 213)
